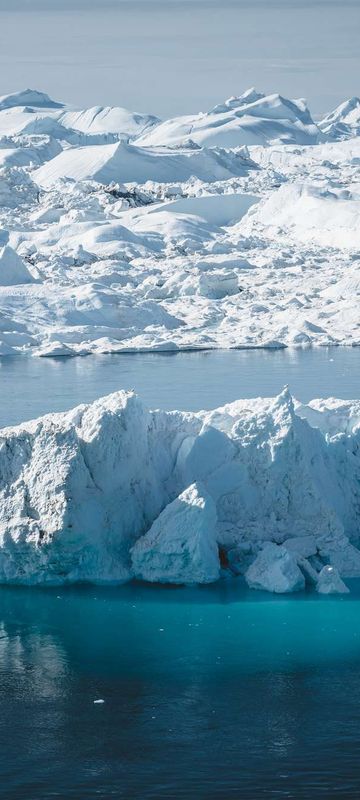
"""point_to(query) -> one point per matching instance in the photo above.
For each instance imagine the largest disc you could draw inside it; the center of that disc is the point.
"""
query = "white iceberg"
(344, 121)
(329, 582)
(101, 493)
(253, 118)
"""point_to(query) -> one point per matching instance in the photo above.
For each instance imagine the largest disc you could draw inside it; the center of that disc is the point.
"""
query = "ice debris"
(329, 582)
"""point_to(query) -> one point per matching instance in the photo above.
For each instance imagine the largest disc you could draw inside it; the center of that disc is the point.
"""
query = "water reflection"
(213, 693)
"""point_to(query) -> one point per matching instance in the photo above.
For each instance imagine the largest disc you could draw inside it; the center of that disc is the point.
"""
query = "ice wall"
(112, 491)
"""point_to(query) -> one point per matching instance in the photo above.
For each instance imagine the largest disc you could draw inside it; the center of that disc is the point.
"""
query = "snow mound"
(250, 119)
(180, 546)
(324, 215)
(31, 111)
(111, 490)
(12, 268)
(191, 219)
(108, 119)
(124, 163)
(216, 209)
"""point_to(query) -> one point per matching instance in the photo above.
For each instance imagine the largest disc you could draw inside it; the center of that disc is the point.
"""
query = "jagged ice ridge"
(268, 489)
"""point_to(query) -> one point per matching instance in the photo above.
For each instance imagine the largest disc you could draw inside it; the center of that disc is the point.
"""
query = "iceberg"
(343, 122)
(265, 488)
(329, 582)
(128, 163)
(251, 119)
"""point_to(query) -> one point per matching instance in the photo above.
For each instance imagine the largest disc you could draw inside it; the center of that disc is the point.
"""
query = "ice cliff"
(266, 488)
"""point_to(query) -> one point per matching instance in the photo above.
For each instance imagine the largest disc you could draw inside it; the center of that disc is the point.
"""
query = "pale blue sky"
(178, 56)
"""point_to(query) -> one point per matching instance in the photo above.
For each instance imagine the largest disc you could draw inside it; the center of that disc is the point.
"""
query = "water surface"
(173, 57)
(208, 693)
(30, 387)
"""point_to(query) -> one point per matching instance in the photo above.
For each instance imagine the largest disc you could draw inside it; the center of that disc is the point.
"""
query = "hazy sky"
(178, 56)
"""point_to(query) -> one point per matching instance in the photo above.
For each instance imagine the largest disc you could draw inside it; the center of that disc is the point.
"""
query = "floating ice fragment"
(329, 582)
(275, 570)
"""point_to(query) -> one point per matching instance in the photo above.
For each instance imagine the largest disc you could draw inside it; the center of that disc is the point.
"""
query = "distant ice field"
(235, 227)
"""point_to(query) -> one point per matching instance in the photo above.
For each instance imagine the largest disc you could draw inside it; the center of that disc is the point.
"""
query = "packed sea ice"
(264, 489)
(236, 227)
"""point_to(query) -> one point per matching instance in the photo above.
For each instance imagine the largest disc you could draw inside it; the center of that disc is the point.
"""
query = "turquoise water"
(211, 693)
(208, 693)
(30, 387)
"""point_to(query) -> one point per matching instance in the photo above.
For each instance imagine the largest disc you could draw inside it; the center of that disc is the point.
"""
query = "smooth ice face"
(180, 546)
(111, 491)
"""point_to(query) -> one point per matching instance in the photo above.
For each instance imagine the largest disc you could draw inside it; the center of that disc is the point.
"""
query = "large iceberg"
(266, 488)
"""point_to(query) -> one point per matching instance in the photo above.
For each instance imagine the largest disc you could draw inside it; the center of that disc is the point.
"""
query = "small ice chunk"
(275, 570)
(54, 350)
(99, 702)
(329, 582)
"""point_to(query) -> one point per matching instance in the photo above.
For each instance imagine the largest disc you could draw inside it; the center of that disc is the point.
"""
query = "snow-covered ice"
(252, 118)
(237, 227)
(267, 488)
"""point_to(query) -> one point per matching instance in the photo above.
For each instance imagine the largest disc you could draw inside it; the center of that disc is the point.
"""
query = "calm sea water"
(208, 693)
(30, 387)
(211, 693)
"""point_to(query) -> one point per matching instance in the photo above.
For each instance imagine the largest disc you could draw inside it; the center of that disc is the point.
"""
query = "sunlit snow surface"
(237, 227)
